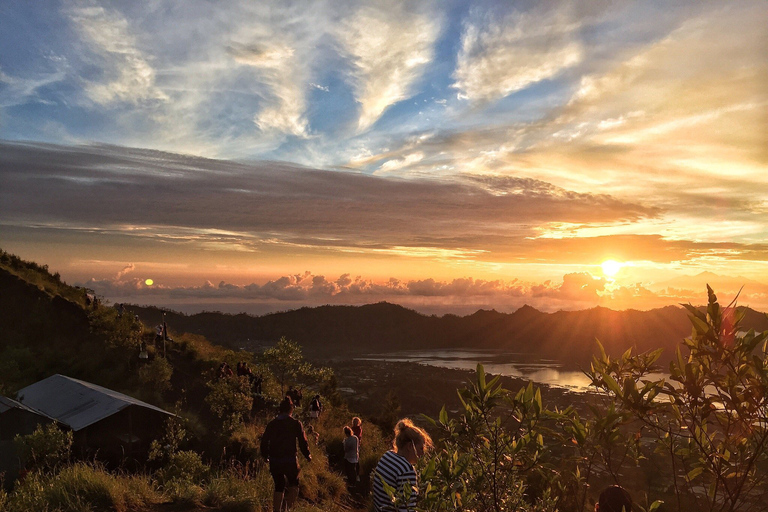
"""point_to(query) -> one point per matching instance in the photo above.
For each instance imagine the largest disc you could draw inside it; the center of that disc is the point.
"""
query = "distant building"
(114, 425)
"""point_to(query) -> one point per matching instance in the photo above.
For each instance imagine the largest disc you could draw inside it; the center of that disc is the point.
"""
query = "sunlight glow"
(149, 282)
(611, 267)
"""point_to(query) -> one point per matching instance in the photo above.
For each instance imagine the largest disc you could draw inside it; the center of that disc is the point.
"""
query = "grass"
(81, 487)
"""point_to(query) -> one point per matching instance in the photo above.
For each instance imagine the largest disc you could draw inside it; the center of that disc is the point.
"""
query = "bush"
(47, 448)
(185, 466)
(156, 376)
(230, 399)
(710, 424)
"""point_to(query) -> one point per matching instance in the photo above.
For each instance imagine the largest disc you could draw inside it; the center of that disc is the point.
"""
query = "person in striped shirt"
(395, 488)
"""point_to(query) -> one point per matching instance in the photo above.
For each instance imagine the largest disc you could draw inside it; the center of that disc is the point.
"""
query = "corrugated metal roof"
(6, 404)
(77, 403)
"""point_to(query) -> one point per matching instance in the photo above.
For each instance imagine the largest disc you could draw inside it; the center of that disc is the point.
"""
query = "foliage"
(711, 420)
(287, 364)
(184, 465)
(485, 452)
(230, 399)
(156, 376)
(174, 435)
(47, 448)
(82, 487)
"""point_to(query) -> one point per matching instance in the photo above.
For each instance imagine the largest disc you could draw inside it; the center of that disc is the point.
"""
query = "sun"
(150, 282)
(611, 267)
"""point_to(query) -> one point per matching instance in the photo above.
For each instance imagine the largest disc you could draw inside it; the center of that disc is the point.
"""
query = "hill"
(338, 331)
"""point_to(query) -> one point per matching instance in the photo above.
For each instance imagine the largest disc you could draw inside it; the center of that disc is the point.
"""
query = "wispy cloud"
(128, 76)
(390, 44)
(503, 54)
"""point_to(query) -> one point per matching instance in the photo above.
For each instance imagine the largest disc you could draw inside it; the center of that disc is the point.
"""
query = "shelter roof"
(77, 403)
(6, 404)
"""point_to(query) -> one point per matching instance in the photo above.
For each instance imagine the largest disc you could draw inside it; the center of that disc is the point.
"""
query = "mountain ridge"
(338, 331)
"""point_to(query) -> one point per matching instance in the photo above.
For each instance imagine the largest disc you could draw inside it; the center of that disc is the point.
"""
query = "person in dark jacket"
(278, 446)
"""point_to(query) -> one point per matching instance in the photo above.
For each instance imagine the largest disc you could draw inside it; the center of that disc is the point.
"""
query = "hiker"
(357, 428)
(315, 407)
(295, 395)
(313, 434)
(158, 334)
(224, 370)
(395, 468)
(351, 457)
(278, 446)
(614, 499)
(119, 310)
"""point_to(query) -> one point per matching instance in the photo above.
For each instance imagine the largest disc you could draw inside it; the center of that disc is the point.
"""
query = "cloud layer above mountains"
(505, 144)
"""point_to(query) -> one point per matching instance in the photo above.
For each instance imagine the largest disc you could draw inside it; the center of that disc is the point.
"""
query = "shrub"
(230, 399)
(156, 376)
(46, 448)
(711, 422)
(486, 451)
(185, 466)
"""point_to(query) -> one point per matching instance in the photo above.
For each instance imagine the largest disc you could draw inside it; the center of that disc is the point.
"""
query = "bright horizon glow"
(444, 155)
(611, 267)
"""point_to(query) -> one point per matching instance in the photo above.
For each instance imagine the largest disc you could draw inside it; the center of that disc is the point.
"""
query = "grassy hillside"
(208, 459)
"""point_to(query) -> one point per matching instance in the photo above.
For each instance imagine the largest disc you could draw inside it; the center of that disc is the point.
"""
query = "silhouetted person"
(614, 499)
(278, 446)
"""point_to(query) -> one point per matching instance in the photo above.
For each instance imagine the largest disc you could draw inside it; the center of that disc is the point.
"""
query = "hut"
(104, 422)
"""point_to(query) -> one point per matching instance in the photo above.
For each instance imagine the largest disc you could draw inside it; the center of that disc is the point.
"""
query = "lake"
(511, 364)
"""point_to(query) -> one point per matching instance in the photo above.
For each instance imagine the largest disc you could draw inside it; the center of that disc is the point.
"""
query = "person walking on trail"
(351, 457)
(315, 407)
(395, 468)
(357, 429)
(278, 446)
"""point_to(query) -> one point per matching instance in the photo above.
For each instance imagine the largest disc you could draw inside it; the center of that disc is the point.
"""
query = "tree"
(231, 400)
(287, 364)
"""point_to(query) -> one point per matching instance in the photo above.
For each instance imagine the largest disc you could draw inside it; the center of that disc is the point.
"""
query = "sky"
(447, 155)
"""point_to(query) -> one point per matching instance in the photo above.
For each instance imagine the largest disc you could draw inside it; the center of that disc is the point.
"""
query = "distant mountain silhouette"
(335, 331)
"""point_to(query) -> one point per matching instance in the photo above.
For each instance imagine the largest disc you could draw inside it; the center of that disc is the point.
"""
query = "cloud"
(129, 76)
(578, 290)
(390, 44)
(173, 199)
(281, 71)
(501, 54)
(127, 269)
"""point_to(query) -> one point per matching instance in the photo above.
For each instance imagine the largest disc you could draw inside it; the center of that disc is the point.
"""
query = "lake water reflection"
(543, 371)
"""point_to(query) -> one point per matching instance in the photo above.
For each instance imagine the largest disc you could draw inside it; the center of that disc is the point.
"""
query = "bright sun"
(611, 267)
(150, 282)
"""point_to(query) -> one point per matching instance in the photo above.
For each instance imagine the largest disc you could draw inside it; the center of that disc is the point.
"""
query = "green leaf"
(611, 384)
(694, 473)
